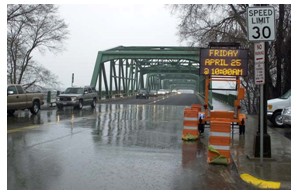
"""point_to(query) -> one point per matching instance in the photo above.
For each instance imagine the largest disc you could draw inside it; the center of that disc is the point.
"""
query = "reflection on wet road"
(116, 146)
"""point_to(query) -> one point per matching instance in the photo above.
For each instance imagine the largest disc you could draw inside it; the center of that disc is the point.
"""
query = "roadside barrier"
(219, 143)
(190, 131)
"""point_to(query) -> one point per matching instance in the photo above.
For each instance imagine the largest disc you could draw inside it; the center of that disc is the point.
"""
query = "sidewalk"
(275, 172)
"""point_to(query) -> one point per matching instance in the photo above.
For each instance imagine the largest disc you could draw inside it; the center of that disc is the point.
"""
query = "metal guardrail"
(201, 98)
(228, 99)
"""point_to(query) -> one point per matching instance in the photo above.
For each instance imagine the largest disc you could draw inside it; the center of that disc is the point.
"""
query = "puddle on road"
(151, 126)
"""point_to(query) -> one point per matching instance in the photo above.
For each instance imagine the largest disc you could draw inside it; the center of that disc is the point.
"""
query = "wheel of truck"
(10, 112)
(93, 105)
(80, 104)
(276, 119)
(35, 108)
(60, 107)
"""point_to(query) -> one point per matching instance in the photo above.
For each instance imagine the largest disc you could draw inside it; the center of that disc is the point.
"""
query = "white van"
(275, 108)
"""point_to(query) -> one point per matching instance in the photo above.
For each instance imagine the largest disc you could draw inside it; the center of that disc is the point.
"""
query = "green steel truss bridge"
(124, 70)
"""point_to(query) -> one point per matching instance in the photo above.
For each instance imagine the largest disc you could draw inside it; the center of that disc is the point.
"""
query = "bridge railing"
(201, 99)
(115, 94)
(226, 98)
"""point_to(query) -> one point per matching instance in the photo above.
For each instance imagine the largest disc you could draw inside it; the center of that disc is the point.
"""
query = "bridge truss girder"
(123, 70)
(171, 79)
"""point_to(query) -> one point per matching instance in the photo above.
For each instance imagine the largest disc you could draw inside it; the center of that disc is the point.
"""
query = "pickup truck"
(275, 108)
(77, 97)
(19, 99)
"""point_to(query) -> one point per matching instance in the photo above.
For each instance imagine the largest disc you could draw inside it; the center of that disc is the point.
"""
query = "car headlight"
(287, 111)
(57, 99)
(269, 107)
(73, 98)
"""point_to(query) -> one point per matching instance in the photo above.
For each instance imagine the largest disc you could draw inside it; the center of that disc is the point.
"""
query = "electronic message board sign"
(223, 61)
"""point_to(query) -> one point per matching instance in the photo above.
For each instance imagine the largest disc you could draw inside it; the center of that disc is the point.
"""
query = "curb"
(259, 183)
(262, 184)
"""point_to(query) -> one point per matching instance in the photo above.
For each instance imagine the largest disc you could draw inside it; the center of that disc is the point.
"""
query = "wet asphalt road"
(122, 144)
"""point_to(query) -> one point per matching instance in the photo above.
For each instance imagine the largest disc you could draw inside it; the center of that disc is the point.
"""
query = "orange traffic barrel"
(190, 131)
(219, 142)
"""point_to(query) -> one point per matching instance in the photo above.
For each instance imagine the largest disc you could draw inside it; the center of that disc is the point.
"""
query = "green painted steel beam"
(97, 69)
(143, 61)
(170, 75)
(152, 48)
(190, 53)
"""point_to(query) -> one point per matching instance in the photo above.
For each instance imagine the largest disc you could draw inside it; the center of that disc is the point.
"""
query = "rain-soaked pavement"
(116, 146)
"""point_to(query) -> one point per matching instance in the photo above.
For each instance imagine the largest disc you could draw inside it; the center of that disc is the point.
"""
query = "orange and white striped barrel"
(190, 131)
(220, 140)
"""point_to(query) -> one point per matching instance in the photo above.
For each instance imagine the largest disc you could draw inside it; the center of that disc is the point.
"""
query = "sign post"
(72, 80)
(261, 27)
(259, 49)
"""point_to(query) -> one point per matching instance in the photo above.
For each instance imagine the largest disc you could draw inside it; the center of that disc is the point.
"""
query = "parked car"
(275, 108)
(142, 93)
(286, 116)
(19, 99)
(77, 97)
(153, 93)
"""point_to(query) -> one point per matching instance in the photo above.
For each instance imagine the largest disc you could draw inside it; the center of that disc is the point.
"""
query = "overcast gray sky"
(96, 28)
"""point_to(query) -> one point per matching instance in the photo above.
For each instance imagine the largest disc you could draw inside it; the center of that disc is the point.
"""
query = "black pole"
(265, 89)
(266, 136)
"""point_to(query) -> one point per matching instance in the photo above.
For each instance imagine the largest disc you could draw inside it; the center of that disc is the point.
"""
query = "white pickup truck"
(275, 107)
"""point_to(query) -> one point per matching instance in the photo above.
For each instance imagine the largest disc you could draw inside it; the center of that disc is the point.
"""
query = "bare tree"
(31, 27)
(280, 53)
(201, 24)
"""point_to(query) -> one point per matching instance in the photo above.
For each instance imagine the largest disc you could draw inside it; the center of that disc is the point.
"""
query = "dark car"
(142, 93)
(153, 93)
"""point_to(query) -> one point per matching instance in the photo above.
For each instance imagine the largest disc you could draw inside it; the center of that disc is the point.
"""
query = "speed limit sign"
(261, 23)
